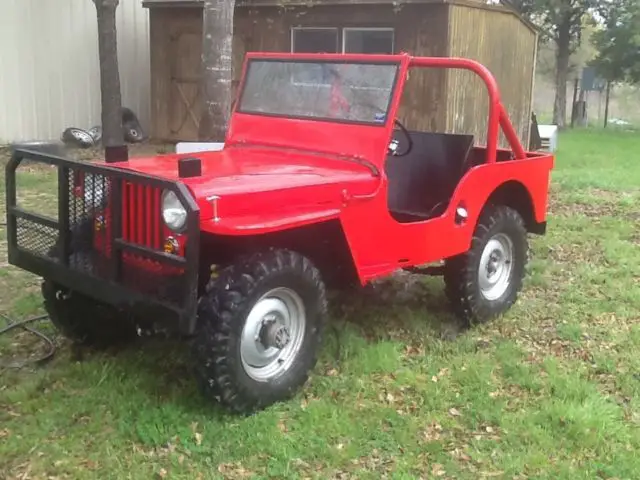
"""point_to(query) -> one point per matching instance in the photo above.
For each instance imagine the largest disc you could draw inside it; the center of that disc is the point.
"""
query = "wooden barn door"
(185, 102)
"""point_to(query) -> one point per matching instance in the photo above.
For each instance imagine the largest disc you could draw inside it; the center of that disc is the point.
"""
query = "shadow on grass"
(401, 312)
(403, 307)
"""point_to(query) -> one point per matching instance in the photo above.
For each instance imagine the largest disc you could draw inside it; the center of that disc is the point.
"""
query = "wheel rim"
(273, 334)
(496, 265)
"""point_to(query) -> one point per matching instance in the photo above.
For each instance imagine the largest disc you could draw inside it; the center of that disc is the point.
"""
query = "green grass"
(550, 391)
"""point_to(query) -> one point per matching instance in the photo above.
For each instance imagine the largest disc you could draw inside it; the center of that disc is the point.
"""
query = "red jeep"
(315, 188)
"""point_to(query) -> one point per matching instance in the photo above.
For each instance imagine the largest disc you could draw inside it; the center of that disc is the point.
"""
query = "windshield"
(330, 91)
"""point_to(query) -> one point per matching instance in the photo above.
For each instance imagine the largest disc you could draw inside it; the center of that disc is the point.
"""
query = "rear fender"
(514, 194)
(520, 184)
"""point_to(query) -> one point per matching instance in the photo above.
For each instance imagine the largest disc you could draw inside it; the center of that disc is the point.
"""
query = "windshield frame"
(328, 59)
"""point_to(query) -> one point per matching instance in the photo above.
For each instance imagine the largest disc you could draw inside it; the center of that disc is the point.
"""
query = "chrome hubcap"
(496, 266)
(273, 334)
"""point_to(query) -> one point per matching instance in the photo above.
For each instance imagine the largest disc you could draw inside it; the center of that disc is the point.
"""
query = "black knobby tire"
(79, 318)
(462, 283)
(223, 312)
(85, 321)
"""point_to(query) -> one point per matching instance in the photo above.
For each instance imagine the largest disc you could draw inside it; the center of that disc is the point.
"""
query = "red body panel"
(278, 173)
(381, 245)
(265, 189)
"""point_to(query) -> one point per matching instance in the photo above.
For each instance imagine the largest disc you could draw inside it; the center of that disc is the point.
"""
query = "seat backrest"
(429, 173)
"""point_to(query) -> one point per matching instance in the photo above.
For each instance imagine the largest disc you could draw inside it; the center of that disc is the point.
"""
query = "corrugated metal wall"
(49, 68)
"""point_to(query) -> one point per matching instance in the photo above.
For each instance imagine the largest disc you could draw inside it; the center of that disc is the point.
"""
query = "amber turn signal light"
(171, 245)
(99, 223)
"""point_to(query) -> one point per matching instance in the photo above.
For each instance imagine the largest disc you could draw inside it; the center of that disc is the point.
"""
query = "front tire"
(81, 319)
(260, 324)
(484, 282)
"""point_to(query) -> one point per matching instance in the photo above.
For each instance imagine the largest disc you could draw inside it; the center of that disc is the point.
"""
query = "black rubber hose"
(23, 324)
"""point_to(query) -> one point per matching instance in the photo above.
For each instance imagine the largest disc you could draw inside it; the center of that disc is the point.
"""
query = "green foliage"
(582, 56)
(618, 41)
(559, 20)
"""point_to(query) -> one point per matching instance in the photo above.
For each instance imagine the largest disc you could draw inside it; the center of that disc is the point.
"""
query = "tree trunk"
(573, 103)
(606, 105)
(563, 54)
(112, 135)
(217, 40)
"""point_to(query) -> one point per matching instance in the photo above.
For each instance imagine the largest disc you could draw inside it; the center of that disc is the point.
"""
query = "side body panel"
(380, 244)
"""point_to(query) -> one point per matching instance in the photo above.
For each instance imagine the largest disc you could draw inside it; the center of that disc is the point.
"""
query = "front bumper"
(113, 250)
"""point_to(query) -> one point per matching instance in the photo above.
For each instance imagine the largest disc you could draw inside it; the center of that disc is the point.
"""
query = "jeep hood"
(269, 184)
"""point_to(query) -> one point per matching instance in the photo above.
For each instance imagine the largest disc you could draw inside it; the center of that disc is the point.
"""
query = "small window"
(368, 40)
(314, 40)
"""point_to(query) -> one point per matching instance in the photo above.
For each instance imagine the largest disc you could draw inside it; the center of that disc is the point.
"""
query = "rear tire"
(84, 320)
(484, 282)
(260, 325)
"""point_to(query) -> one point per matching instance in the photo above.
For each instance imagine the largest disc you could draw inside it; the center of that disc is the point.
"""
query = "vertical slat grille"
(149, 219)
(125, 211)
(158, 223)
(141, 223)
(140, 211)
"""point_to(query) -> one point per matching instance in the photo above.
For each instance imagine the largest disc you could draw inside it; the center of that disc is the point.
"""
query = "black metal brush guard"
(128, 274)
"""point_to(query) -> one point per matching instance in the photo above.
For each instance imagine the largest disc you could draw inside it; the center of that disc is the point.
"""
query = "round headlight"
(173, 213)
(94, 190)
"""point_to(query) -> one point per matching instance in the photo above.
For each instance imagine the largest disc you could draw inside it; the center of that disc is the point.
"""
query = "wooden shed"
(436, 100)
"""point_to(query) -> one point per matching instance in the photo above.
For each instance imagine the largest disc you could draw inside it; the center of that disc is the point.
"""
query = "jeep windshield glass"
(328, 91)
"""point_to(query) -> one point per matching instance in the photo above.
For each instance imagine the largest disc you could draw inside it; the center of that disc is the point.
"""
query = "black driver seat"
(422, 182)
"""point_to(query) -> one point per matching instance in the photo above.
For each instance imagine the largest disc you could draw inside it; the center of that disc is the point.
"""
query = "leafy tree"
(560, 22)
(618, 41)
(217, 63)
(111, 97)
(581, 57)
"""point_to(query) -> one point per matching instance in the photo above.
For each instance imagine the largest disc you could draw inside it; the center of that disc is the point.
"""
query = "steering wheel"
(393, 147)
(338, 103)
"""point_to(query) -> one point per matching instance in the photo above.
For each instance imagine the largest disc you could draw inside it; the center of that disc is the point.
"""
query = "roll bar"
(498, 117)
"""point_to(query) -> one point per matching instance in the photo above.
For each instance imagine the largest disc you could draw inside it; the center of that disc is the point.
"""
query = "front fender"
(255, 224)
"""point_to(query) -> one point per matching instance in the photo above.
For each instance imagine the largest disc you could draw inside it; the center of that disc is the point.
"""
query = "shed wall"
(419, 30)
(176, 39)
(175, 56)
(422, 31)
(175, 35)
(507, 47)
(49, 68)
